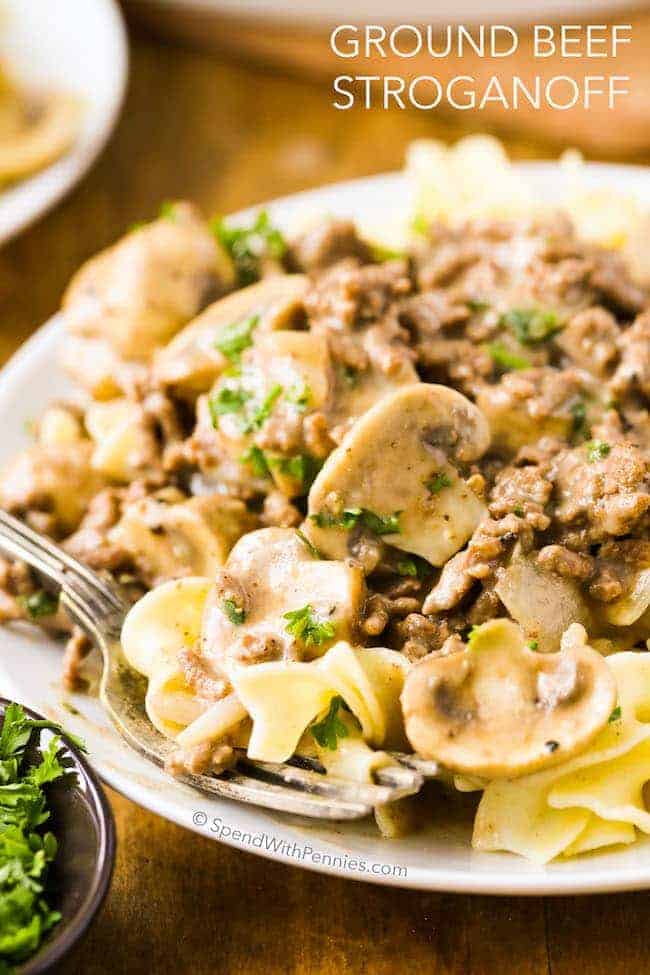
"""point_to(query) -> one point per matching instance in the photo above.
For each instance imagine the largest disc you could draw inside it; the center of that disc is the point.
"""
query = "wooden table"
(229, 136)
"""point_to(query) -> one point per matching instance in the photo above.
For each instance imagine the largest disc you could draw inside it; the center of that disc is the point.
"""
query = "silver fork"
(298, 786)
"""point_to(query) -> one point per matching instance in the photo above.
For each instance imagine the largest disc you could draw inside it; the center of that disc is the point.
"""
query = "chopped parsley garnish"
(26, 852)
(350, 517)
(615, 715)
(472, 635)
(420, 225)
(329, 729)
(136, 225)
(597, 450)
(302, 468)
(533, 645)
(518, 510)
(256, 457)
(167, 210)
(311, 548)
(300, 397)
(436, 483)
(235, 613)
(505, 358)
(237, 337)
(407, 567)
(578, 411)
(308, 628)
(248, 246)
(413, 566)
(477, 304)
(531, 326)
(227, 400)
(39, 604)
(380, 524)
(381, 253)
(260, 414)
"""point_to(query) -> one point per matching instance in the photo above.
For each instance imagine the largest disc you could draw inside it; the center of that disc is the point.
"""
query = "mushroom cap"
(385, 462)
(542, 602)
(191, 362)
(138, 293)
(271, 572)
(498, 709)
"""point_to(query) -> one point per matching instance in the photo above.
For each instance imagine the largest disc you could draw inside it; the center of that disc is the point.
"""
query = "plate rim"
(538, 880)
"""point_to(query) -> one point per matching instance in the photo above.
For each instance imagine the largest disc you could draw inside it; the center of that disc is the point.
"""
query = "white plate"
(77, 46)
(320, 13)
(438, 859)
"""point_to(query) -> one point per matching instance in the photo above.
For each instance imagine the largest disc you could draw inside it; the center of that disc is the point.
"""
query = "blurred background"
(229, 103)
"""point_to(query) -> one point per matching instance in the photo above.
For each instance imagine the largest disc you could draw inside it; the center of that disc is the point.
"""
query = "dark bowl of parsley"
(57, 842)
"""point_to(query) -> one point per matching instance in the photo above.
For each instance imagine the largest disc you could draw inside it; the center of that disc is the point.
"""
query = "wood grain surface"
(228, 136)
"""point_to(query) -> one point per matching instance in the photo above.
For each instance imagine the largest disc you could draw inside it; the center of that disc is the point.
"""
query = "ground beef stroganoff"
(429, 463)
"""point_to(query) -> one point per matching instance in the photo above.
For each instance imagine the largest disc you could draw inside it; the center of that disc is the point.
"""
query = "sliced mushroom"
(395, 474)
(191, 362)
(353, 392)
(125, 444)
(269, 573)
(496, 708)
(138, 293)
(542, 602)
(95, 365)
(191, 537)
(58, 479)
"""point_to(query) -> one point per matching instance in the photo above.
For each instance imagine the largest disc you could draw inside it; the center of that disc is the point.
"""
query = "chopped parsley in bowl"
(57, 841)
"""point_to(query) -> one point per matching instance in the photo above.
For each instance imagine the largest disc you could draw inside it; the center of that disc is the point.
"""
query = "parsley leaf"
(235, 613)
(407, 567)
(477, 304)
(302, 468)
(237, 337)
(25, 851)
(533, 645)
(413, 566)
(597, 450)
(615, 715)
(329, 729)
(420, 225)
(260, 414)
(228, 399)
(349, 517)
(311, 548)
(436, 483)
(503, 357)
(381, 253)
(39, 604)
(306, 627)
(248, 246)
(256, 457)
(578, 411)
(473, 634)
(167, 210)
(531, 326)
(300, 397)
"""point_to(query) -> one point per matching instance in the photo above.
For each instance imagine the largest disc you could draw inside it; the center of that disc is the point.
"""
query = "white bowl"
(77, 46)
(440, 858)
